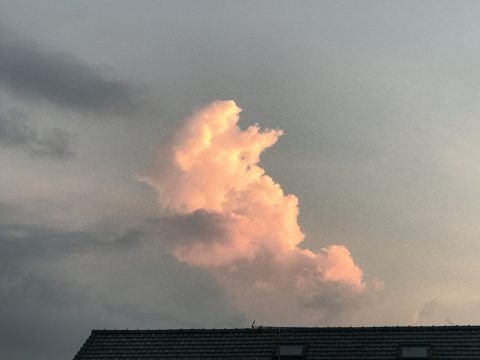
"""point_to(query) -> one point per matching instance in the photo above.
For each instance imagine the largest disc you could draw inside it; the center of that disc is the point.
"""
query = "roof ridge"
(299, 328)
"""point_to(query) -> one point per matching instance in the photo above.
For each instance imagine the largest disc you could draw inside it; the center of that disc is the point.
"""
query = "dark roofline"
(297, 328)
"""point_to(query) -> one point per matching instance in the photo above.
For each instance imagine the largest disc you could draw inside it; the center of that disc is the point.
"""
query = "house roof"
(446, 342)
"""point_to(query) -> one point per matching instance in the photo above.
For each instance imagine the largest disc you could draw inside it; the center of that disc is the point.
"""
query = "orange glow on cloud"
(212, 166)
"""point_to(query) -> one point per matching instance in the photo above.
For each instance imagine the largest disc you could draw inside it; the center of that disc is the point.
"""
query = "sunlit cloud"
(210, 171)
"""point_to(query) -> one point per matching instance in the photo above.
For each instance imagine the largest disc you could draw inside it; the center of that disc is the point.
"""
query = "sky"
(201, 164)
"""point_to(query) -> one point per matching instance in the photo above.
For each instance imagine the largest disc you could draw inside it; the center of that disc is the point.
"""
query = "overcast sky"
(378, 103)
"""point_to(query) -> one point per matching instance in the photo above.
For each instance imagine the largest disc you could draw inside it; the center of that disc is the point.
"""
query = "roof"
(447, 342)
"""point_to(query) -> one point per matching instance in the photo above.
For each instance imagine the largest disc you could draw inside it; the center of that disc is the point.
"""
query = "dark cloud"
(15, 132)
(56, 285)
(39, 307)
(32, 242)
(30, 70)
(35, 311)
(334, 302)
(184, 229)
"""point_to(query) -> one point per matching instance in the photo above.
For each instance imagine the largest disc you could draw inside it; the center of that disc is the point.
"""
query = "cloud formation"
(33, 277)
(209, 175)
(30, 70)
(15, 132)
(451, 310)
(85, 279)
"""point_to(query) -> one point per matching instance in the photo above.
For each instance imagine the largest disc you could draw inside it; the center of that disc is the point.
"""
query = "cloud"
(426, 312)
(15, 132)
(56, 285)
(42, 308)
(185, 229)
(210, 171)
(448, 312)
(28, 243)
(30, 70)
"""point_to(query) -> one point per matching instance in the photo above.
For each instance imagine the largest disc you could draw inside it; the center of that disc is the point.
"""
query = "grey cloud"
(15, 132)
(56, 285)
(26, 332)
(335, 302)
(30, 70)
(182, 229)
(6, 210)
(27, 285)
(427, 311)
(440, 312)
(32, 242)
